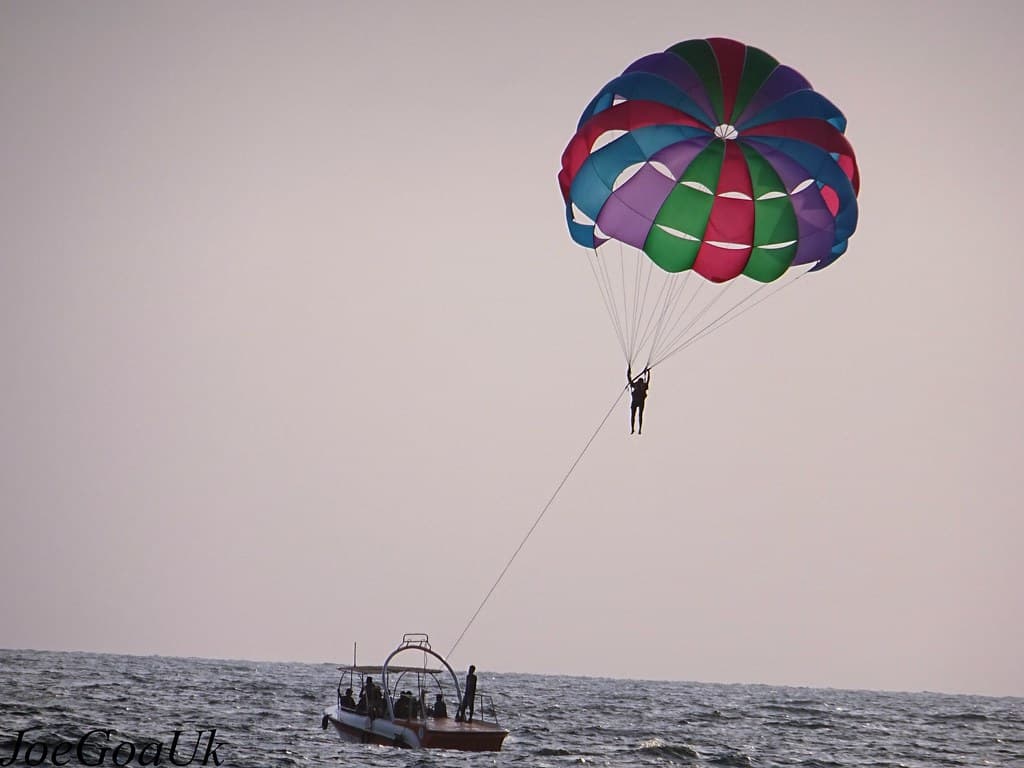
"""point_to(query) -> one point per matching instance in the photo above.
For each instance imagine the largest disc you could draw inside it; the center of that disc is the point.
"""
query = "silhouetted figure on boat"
(347, 701)
(403, 707)
(468, 697)
(370, 700)
(638, 386)
(439, 710)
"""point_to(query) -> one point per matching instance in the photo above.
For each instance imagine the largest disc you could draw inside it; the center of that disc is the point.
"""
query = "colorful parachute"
(710, 158)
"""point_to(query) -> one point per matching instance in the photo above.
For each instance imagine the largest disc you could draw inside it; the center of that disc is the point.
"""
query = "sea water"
(95, 709)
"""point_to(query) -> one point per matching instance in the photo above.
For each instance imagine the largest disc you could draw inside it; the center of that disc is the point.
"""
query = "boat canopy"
(379, 669)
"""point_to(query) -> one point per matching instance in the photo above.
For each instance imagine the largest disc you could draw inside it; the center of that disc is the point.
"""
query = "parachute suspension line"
(650, 319)
(537, 521)
(604, 286)
(625, 301)
(681, 334)
(623, 295)
(657, 321)
(628, 308)
(638, 304)
(601, 276)
(617, 298)
(633, 313)
(728, 316)
(629, 305)
(675, 312)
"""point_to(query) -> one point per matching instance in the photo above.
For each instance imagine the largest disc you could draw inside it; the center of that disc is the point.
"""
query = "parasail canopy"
(709, 158)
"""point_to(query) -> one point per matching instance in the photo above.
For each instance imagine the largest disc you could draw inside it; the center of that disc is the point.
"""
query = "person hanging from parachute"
(695, 179)
(638, 388)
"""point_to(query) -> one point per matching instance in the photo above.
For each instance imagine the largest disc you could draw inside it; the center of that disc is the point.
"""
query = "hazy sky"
(295, 347)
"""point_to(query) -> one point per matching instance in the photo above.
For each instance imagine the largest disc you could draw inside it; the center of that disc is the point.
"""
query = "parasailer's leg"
(641, 424)
(632, 419)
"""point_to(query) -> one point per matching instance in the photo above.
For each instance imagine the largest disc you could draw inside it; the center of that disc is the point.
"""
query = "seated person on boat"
(439, 710)
(404, 705)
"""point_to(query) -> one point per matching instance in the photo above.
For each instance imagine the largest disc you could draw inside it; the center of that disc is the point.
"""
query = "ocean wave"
(672, 752)
(811, 725)
(738, 759)
(554, 752)
(956, 717)
(804, 708)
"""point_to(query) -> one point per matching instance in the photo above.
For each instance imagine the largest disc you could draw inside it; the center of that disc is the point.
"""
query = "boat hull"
(427, 733)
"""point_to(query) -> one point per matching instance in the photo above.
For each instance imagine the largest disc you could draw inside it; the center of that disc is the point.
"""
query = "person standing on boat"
(373, 698)
(469, 696)
(638, 386)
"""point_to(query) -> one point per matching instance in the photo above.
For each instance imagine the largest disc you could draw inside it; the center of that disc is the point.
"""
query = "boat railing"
(484, 709)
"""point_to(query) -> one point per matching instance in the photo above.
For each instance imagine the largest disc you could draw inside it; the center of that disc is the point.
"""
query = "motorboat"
(414, 706)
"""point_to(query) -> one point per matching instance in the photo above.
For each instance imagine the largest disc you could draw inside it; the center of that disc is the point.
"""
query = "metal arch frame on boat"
(420, 643)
